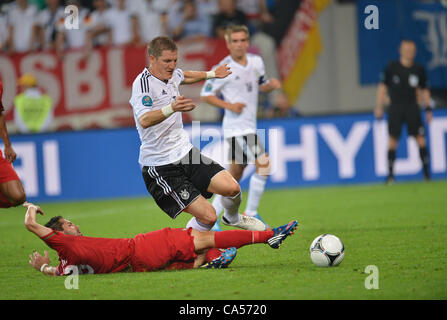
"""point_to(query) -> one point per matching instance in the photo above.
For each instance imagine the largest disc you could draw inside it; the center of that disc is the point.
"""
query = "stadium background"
(329, 64)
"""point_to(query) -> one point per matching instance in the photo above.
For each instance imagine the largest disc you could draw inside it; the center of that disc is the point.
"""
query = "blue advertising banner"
(304, 152)
(424, 22)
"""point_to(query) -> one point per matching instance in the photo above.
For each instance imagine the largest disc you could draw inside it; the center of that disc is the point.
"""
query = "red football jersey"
(1, 95)
(88, 254)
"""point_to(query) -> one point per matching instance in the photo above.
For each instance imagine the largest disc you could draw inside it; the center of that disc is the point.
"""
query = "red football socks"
(239, 238)
(212, 254)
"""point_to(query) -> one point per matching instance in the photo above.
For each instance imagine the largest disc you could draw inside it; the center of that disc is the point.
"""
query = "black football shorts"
(409, 114)
(175, 186)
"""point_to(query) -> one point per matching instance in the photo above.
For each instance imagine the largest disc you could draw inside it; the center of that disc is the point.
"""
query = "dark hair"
(158, 44)
(55, 223)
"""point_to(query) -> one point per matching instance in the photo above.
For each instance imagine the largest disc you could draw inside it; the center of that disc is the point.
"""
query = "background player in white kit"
(240, 101)
(176, 174)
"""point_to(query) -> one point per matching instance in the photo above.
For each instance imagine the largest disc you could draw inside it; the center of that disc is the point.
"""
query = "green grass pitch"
(401, 229)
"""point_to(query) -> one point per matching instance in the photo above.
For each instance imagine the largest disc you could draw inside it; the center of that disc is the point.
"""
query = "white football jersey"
(166, 142)
(23, 22)
(120, 23)
(240, 86)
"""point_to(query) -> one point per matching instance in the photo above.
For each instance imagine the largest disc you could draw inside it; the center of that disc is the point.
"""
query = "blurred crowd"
(28, 25)
(33, 25)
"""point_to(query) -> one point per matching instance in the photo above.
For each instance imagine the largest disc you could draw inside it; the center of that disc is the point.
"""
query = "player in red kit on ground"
(158, 250)
(12, 193)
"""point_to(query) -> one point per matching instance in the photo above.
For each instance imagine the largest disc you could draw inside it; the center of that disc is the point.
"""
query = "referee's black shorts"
(409, 114)
(175, 186)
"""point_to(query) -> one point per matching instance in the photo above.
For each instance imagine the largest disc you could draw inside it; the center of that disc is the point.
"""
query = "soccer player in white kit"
(240, 100)
(176, 174)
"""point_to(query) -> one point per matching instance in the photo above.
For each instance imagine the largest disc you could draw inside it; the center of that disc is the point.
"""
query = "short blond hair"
(158, 44)
(235, 28)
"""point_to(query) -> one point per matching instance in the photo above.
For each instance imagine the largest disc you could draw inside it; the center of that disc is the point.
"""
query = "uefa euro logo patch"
(208, 87)
(147, 101)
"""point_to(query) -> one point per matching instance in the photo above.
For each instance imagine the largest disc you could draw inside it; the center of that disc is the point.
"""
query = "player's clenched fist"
(183, 104)
(237, 107)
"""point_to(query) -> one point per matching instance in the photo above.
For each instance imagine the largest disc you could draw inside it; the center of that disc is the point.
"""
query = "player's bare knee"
(233, 190)
(210, 218)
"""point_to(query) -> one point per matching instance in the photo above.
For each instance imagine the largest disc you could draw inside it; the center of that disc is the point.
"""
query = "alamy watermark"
(372, 20)
(372, 280)
(72, 280)
(71, 21)
(246, 148)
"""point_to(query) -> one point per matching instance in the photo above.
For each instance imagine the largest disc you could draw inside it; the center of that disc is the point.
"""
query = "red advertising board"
(95, 92)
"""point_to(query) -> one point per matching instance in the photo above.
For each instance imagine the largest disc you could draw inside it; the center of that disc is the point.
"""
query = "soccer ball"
(327, 250)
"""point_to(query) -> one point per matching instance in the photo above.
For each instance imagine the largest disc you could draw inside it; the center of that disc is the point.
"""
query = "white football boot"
(246, 223)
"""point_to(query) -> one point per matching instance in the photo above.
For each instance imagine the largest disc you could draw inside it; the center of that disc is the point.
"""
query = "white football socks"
(231, 207)
(217, 204)
(255, 191)
(196, 224)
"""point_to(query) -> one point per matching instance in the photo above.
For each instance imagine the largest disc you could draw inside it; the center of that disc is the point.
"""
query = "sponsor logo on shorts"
(184, 194)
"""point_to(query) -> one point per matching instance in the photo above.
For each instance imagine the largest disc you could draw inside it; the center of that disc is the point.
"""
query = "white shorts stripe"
(164, 185)
(177, 199)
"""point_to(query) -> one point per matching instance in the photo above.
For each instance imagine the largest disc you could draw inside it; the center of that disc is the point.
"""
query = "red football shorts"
(7, 172)
(162, 248)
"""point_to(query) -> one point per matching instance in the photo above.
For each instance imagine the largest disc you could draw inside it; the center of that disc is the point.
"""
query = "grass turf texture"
(401, 229)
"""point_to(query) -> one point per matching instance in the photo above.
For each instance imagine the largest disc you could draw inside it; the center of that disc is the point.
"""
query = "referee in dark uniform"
(405, 82)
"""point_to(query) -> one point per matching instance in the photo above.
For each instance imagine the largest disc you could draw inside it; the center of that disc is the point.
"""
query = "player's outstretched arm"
(195, 76)
(31, 223)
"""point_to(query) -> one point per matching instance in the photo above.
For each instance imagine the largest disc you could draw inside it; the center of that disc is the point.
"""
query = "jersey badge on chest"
(413, 80)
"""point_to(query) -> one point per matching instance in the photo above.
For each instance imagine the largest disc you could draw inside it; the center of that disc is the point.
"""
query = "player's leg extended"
(204, 215)
(224, 184)
(239, 238)
(257, 185)
(236, 171)
(12, 194)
